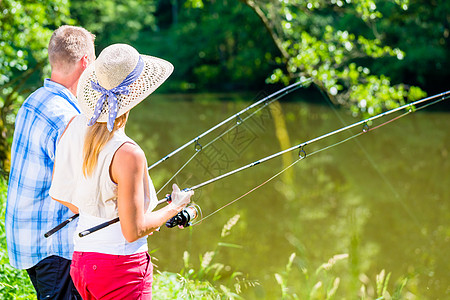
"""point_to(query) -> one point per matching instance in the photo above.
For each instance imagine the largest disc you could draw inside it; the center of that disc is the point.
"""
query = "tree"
(214, 45)
(335, 42)
(25, 29)
(422, 31)
(115, 21)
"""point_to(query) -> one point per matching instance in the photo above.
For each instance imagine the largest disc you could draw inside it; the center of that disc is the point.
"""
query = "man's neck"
(68, 81)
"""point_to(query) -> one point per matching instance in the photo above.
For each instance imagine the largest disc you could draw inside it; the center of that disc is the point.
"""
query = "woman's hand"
(180, 198)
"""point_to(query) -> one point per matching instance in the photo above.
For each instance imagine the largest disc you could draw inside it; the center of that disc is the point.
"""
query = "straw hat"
(111, 69)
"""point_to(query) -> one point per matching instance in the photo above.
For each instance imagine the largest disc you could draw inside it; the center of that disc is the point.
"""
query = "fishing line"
(300, 146)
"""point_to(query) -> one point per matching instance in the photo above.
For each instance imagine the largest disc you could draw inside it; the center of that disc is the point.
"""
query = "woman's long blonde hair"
(96, 138)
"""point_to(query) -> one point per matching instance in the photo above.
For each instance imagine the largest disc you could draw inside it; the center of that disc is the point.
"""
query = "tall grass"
(323, 283)
(207, 280)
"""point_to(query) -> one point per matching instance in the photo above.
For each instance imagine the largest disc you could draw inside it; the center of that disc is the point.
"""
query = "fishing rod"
(198, 147)
(184, 217)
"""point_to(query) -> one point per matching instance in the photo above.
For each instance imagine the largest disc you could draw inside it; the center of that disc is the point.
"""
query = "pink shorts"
(106, 276)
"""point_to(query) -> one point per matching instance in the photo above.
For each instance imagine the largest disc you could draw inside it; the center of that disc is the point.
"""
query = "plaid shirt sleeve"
(30, 212)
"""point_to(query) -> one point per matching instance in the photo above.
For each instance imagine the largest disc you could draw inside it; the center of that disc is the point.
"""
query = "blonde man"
(30, 212)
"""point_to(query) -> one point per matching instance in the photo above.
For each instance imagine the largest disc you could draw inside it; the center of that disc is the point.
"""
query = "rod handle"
(59, 226)
(98, 227)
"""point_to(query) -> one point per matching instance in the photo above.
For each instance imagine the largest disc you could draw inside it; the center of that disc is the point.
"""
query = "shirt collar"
(59, 89)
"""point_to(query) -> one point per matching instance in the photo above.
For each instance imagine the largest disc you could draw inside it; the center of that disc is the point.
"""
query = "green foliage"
(25, 29)
(14, 284)
(421, 29)
(115, 21)
(214, 45)
(312, 44)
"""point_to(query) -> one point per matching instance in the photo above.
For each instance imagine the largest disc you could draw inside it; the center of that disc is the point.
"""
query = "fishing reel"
(183, 218)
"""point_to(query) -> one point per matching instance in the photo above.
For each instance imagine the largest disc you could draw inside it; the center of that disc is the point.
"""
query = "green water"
(382, 198)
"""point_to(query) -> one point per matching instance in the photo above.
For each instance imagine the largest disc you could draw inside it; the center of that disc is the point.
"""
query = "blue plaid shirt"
(30, 212)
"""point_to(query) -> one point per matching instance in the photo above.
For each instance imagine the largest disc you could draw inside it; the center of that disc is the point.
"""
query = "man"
(30, 212)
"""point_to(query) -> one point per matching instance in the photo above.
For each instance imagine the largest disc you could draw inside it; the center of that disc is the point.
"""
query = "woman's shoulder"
(129, 154)
(128, 161)
(129, 149)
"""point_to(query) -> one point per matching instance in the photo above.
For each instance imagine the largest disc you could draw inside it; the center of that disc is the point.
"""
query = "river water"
(377, 202)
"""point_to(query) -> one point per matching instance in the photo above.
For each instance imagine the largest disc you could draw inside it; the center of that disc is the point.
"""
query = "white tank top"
(96, 195)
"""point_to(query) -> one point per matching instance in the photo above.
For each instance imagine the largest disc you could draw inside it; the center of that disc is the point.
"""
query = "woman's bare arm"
(127, 169)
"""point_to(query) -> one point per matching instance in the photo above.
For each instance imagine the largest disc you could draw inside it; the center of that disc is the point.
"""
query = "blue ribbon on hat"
(111, 95)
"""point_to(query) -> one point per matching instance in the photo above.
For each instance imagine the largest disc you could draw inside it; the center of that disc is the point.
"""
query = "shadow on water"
(381, 198)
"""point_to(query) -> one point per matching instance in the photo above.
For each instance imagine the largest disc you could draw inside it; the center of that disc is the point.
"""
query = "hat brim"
(155, 72)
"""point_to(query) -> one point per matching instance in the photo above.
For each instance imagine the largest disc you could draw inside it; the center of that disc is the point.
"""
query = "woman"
(100, 173)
